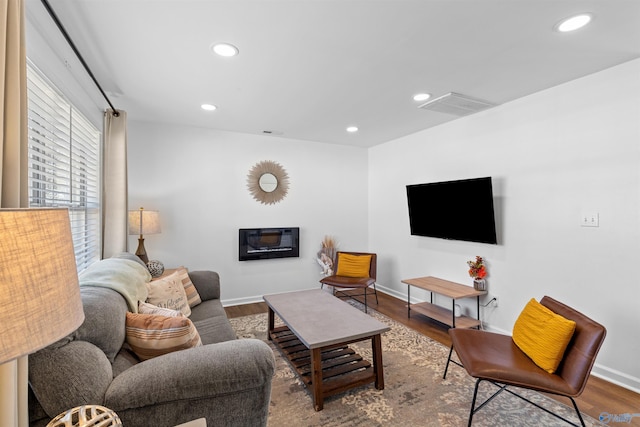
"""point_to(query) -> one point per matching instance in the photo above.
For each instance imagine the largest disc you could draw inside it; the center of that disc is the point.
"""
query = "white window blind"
(64, 164)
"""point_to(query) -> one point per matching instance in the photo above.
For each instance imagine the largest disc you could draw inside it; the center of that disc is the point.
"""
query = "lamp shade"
(39, 291)
(144, 222)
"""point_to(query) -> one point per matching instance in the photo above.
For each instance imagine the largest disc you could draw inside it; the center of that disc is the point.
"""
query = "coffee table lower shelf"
(342, 368)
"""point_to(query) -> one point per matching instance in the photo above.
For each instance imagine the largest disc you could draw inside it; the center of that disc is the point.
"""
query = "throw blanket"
(127, 277)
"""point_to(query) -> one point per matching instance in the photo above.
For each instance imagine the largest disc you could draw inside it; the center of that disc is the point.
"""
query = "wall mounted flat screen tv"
(266, 243)
(454, 210)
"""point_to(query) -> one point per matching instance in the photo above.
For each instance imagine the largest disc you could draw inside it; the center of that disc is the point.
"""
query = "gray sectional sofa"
(226, 380)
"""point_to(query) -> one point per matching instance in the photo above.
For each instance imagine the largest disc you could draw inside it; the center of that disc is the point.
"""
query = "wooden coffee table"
(317, 330)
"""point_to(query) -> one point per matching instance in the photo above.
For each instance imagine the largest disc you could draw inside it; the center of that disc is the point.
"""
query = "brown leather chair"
(495, 358)
(344, 282)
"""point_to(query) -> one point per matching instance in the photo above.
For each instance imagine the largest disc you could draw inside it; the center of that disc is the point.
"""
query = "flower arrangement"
(477, 270)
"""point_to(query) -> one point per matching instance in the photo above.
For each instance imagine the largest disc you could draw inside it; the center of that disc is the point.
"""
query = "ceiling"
(307, 69)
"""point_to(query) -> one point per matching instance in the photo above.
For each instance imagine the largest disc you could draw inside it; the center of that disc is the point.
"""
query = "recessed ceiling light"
(421, 96)
(225, 49)
(352, 129)
(208, 107)
(573, 23)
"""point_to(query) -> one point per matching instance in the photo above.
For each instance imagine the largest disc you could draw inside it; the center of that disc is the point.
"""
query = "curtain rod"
(75, 50)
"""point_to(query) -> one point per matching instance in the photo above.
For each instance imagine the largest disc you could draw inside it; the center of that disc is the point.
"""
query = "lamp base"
(85, 416)
(141, 252)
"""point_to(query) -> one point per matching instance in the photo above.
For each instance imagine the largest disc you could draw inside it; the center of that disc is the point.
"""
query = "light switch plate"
(590, 219)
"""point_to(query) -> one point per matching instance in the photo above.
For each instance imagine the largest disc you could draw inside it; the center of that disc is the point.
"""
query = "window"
(64, 164)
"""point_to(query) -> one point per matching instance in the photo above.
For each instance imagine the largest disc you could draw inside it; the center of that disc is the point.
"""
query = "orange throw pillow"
(353, 265)
(543, 335)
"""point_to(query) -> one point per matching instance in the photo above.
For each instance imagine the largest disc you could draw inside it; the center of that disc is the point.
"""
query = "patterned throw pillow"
(168, 292)
(146, 308)
(193, 297)
(151, 335)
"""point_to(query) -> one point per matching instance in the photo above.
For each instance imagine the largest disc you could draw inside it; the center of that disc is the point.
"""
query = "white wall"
(196, 178)
(553, 155)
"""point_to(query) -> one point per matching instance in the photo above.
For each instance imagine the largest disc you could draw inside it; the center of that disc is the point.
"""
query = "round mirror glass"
(268, 182)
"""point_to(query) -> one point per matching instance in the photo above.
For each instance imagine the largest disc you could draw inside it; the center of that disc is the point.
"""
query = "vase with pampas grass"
(327, 255)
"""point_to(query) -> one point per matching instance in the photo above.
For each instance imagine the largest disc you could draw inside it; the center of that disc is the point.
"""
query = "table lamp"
(143, 222)
(39, 296)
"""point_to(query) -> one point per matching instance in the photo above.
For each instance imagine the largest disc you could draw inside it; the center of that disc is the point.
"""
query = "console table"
(448, 289)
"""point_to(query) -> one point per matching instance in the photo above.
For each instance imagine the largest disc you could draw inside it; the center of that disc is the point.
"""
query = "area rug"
(415, 393)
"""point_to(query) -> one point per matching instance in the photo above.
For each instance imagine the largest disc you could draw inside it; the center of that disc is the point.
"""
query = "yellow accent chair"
(353, 270)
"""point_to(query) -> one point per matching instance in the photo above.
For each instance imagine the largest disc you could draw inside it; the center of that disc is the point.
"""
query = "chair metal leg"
(375, 292)
(473, 402)
(449, 361)
(575, 406)
(503, 387)
(365, 300)
(446, 368)
(345, 294)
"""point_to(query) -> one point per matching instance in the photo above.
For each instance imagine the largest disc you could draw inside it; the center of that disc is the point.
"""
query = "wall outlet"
(491, 301)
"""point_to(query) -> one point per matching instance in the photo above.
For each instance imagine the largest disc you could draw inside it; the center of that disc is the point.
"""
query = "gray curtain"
(114, 184)
(13, 177)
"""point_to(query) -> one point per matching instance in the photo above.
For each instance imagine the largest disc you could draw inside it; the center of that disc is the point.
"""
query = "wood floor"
(599, 396)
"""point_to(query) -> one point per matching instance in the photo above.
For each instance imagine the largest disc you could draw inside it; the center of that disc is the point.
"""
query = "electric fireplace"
(267, 243)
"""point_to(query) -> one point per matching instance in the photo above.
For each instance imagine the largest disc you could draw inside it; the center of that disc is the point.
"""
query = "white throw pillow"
(168, 292)
(146, 308)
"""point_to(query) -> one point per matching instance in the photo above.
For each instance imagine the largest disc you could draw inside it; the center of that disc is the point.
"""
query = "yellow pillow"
(543, 335)
(353, 265)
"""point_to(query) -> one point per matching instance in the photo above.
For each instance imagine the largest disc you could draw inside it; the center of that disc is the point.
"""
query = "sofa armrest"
(228, 383)
(74, 374)
(207, 283)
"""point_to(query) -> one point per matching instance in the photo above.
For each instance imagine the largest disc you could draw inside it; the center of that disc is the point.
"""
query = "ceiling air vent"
(456, 104)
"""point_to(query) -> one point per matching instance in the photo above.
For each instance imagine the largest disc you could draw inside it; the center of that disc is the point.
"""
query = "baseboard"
(616, 377)
(246, 300)
(392, 292)
(241, 301)
(258, 298)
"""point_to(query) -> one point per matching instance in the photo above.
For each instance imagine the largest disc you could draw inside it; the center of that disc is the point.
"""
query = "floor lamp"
(39, 296)
(143, 222)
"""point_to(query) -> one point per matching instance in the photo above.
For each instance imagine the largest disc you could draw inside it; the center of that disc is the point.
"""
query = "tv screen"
(454, 210)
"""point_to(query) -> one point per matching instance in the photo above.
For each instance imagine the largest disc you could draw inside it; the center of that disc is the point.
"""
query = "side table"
(448, 289)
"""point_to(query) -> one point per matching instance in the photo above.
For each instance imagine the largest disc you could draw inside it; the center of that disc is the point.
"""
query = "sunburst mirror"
(268, 182)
